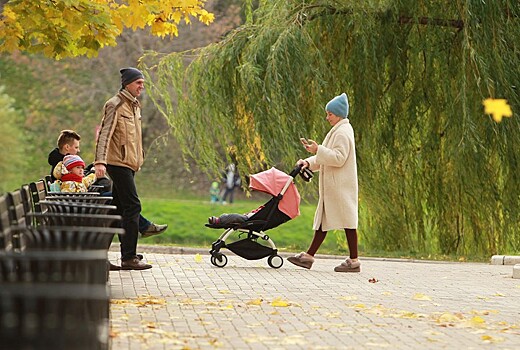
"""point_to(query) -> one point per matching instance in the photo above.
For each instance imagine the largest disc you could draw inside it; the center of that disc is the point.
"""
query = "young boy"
(68, 143)
(71, 174)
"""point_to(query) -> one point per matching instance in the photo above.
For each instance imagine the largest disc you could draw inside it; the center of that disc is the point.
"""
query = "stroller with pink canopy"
(282, 207)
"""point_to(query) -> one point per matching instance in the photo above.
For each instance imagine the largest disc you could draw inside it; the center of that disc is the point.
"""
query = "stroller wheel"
(275, 261)
(219, 263)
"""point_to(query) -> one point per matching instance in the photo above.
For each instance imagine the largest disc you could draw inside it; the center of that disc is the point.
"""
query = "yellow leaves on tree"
(498, 108)
(66, 28)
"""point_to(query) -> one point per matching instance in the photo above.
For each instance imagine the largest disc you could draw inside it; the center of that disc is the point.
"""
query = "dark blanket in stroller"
(227, 220)
(231, 220)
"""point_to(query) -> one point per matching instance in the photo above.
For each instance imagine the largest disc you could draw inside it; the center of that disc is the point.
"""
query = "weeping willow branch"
(436, 174)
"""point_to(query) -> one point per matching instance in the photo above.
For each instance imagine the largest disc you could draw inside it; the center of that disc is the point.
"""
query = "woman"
(338, 188)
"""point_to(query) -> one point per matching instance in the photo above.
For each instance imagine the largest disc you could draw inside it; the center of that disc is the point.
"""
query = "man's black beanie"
(129, 75)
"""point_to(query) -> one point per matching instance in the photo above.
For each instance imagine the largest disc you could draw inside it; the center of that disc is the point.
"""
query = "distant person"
(231, 180)
(119, 152)
(70, 175)
(214, 191)
(335, 159)
(69, 143)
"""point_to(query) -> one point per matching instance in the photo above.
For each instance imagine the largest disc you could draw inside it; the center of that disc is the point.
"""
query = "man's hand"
(101, 170)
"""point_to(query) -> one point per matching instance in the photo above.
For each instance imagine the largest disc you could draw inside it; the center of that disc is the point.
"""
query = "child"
(230, 219)
(214, 191)
(70, 174)
(68, 143)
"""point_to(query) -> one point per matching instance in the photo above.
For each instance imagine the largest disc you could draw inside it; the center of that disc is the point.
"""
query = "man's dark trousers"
(128, 206)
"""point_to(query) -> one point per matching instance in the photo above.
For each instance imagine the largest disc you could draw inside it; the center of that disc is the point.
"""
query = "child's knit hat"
(338, 106)
(70, 161)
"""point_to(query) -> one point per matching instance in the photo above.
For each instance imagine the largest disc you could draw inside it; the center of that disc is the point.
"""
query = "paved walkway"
(184, 302)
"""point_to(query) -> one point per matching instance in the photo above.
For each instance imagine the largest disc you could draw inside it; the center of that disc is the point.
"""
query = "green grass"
(186, 219)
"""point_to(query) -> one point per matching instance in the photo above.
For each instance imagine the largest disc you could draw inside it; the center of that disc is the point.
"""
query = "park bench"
(71, 219)
(6, 240)
(38, 192)
(69, 238)
(79, 197)
(17, 216)
(54, 316)
(76, 207)
(53, 268)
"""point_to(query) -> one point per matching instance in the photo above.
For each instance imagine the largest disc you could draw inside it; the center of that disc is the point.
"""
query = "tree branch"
(329, 10)
(455, 23)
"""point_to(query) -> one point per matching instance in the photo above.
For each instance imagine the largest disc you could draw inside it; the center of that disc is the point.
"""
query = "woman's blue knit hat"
(338, 106)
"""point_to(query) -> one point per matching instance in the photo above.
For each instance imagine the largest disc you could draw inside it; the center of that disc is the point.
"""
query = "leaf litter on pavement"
(474, 321)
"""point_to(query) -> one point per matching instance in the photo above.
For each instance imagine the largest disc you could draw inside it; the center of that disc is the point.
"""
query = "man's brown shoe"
(134, 264)
(153, 230)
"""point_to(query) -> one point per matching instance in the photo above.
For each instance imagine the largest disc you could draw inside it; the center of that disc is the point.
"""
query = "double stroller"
(283, 206)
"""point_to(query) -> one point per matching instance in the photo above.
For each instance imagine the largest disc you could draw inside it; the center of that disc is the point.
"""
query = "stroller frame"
(266, 218)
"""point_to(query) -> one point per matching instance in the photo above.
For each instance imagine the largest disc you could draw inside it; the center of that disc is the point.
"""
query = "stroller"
(282, 207)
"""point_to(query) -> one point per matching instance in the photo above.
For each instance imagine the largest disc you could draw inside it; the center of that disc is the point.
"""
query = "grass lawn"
(186, 220)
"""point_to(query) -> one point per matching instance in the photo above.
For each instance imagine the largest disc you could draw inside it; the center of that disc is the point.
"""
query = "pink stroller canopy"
(272, 181)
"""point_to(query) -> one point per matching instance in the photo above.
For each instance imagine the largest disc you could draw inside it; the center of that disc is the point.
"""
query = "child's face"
(72, 148)
(78, 170)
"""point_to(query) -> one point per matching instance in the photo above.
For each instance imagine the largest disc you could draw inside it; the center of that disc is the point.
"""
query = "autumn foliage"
(67, 28)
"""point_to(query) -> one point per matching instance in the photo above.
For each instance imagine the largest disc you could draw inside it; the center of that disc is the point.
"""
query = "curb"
(516, 271)
(505, 260)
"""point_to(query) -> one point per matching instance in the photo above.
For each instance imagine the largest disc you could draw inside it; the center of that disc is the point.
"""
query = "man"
(69, 143)
(119, 151)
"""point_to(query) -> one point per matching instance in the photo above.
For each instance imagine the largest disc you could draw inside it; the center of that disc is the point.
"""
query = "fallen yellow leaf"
(140, 301)
(420, 296)
(254, 302)
(449, 318)
(198, 258)
(490, 339)
(408, 314)
(477, 320)
(278, 302)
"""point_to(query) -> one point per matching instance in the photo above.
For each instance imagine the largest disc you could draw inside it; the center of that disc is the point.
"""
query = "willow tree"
(437, 175)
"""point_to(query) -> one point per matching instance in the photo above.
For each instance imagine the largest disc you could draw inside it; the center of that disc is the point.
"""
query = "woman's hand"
(302, 163)
(311, 146)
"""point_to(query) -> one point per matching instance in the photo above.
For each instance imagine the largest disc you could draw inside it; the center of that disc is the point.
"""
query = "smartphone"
(304, 140)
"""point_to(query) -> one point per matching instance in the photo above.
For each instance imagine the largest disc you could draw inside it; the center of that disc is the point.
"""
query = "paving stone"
(248, 305)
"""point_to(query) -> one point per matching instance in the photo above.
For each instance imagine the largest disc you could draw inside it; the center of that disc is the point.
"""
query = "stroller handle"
(305, 174)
